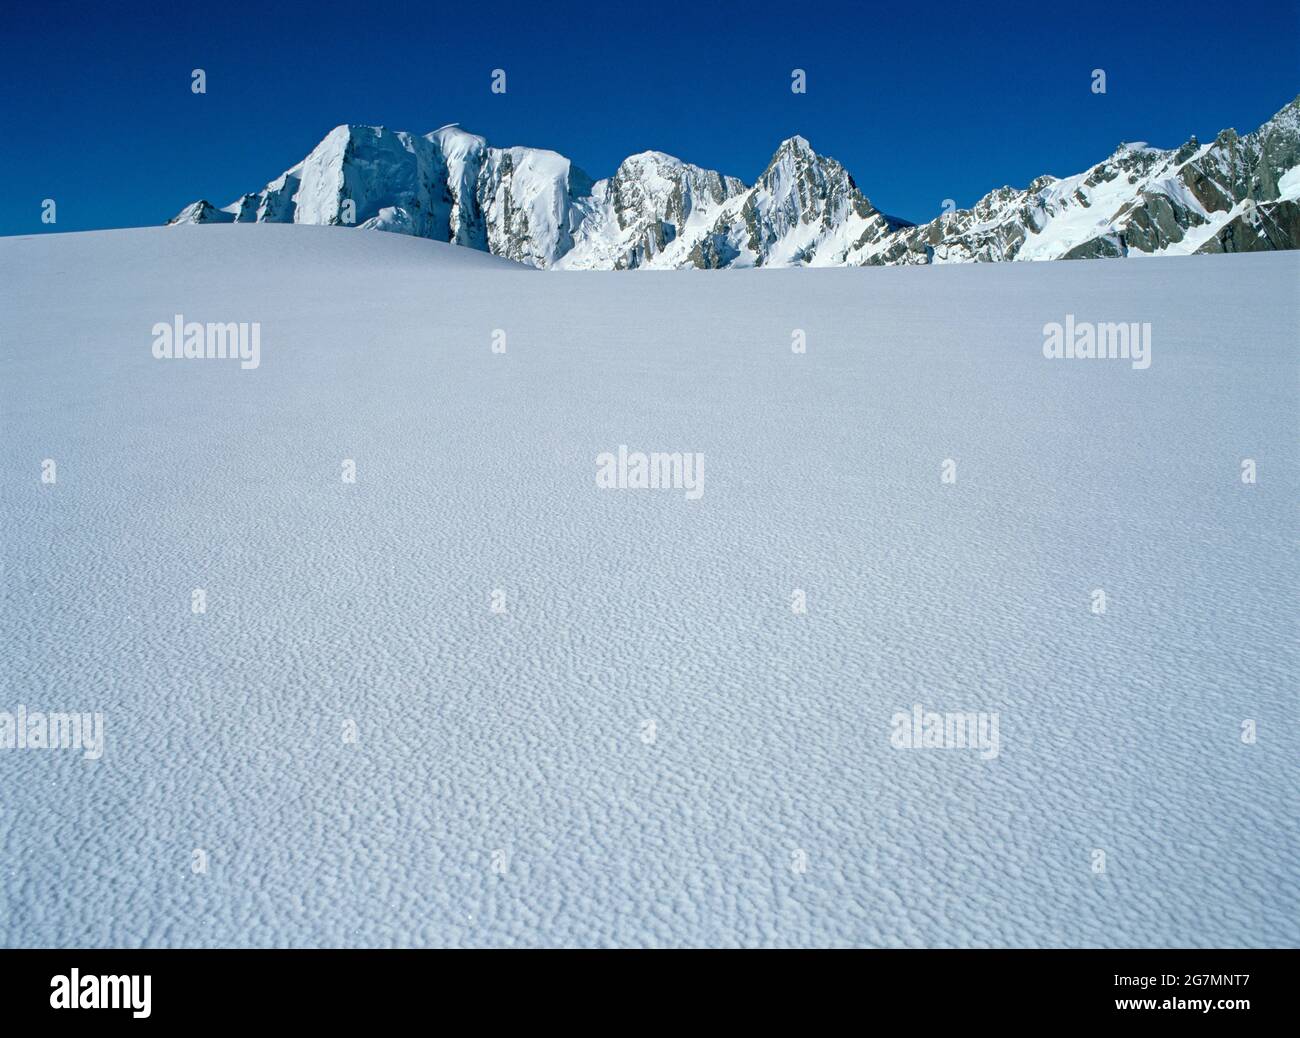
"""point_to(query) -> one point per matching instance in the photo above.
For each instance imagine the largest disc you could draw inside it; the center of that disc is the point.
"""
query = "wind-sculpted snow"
(1237, 194)
(648, 745)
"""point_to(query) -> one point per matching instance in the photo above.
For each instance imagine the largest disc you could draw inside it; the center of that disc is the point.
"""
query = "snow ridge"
(1235, 194)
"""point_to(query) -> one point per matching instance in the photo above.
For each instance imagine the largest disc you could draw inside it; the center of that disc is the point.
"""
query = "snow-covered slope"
(1236, 194)
(648, 746)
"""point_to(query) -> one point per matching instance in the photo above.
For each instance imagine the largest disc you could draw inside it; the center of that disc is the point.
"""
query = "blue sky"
(920, 103)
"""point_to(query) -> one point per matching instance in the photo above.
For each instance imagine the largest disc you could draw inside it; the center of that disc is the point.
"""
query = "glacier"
(676, 728)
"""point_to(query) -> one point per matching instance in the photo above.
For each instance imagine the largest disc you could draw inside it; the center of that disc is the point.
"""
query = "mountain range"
(1237, 193)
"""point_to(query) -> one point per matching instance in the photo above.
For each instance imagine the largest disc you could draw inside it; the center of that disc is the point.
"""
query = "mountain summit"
(1234, 194)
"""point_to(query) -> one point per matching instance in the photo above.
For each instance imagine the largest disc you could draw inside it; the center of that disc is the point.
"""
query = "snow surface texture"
(524, 733)
(1235, 194)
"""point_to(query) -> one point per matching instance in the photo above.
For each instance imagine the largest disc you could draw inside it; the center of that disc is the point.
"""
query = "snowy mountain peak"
(1286, 120)
(1238, 193)
(791, 158)
(796, 145)
(1235, 194)
(452, 138)
(650, 158)
(647, 213)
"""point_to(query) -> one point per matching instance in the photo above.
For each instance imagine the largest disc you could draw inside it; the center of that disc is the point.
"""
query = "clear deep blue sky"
(920, 102)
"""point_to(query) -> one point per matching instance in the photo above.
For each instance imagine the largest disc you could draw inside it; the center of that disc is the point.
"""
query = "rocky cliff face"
(1235, 194)
(651, 203)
